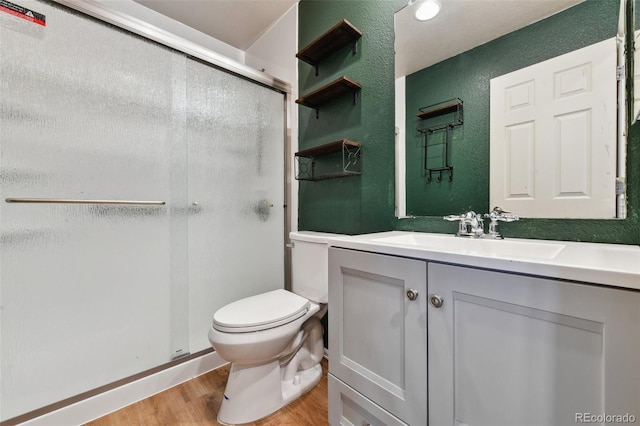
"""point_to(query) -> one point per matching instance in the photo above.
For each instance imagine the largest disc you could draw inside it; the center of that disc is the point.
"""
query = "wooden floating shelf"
(351, 154)
(338, 36)
(441, 109)
(332, 176)
(328, 148)
(337, 88)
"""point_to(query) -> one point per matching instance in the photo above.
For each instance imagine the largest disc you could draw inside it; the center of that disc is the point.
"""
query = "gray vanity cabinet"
(377, 339)
(507, 349)
(499, 348)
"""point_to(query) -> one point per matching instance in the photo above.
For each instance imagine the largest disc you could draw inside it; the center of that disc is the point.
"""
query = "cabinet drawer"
(348, 408)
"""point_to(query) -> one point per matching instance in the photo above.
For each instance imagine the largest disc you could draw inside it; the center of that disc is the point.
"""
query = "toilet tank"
(309, 264)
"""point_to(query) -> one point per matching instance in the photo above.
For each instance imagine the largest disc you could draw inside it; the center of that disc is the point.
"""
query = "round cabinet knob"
(435, 300)
(195, 203)
(412, 294)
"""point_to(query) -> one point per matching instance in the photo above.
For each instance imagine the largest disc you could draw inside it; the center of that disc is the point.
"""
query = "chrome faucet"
(471, 224)
(498, 215)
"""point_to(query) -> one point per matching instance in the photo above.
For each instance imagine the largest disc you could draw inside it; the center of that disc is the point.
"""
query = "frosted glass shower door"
(85, 288)
(236, 134)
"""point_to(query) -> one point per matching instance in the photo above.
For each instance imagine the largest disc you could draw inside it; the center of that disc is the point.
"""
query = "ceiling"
(460, 26)
(239, 23)
(463, 25)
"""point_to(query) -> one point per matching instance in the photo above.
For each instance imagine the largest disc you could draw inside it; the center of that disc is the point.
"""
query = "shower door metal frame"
(115, 17)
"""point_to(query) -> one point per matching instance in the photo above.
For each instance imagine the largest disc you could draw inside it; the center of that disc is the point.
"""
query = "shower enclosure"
(140, 190)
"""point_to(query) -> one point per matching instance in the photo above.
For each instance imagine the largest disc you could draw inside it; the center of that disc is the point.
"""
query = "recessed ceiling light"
(426, 9)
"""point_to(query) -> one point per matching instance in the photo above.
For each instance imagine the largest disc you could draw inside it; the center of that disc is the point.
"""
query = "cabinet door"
(515, 350)
(377, 335)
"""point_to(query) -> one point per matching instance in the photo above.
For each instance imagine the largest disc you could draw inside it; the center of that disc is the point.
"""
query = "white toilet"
(274, 340)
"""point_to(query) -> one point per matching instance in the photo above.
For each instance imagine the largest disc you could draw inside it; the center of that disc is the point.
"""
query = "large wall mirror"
(444, 71)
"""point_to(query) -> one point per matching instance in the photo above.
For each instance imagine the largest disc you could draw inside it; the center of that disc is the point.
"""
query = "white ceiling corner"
(238, 23)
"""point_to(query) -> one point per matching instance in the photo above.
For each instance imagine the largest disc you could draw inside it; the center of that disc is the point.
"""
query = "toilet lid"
(260, 312)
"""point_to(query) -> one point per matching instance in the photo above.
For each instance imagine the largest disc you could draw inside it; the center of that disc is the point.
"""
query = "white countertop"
(608, 264)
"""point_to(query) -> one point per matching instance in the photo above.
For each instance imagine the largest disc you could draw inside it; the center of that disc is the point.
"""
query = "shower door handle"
(194, 208)
(75, 201)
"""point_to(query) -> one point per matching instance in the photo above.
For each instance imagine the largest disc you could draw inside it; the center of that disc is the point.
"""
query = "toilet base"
(250, 394)
(256, 390)
(304, 381)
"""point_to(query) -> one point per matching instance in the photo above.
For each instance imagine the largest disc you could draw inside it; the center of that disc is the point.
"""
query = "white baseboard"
(117, 398)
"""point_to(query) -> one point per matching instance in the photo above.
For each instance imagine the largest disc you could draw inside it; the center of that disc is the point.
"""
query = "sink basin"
(512, 249)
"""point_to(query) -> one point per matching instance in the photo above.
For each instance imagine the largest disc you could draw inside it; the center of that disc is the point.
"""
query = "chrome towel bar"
(71, 201)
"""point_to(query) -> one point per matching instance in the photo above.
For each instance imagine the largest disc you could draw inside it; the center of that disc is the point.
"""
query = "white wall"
(401, 116)
(275, 53)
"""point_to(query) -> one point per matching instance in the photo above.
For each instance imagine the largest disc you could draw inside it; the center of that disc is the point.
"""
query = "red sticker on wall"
(22, 12)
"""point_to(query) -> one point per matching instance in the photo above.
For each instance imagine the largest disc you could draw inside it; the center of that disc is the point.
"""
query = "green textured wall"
(366, 203)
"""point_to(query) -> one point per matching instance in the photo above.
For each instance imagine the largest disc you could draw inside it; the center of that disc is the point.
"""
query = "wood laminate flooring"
(196, 402)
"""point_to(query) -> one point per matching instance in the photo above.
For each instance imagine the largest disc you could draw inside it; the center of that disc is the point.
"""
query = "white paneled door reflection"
(553, 136)
(93, 293)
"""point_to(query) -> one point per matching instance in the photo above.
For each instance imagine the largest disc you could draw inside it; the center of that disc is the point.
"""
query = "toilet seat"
(260, 312)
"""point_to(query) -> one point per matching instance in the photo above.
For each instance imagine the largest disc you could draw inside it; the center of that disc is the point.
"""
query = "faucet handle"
(462, 226)
(499, 210)
(502, 215)
(497, 214)
(471, 224)
(470, 215)
(508, 217)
